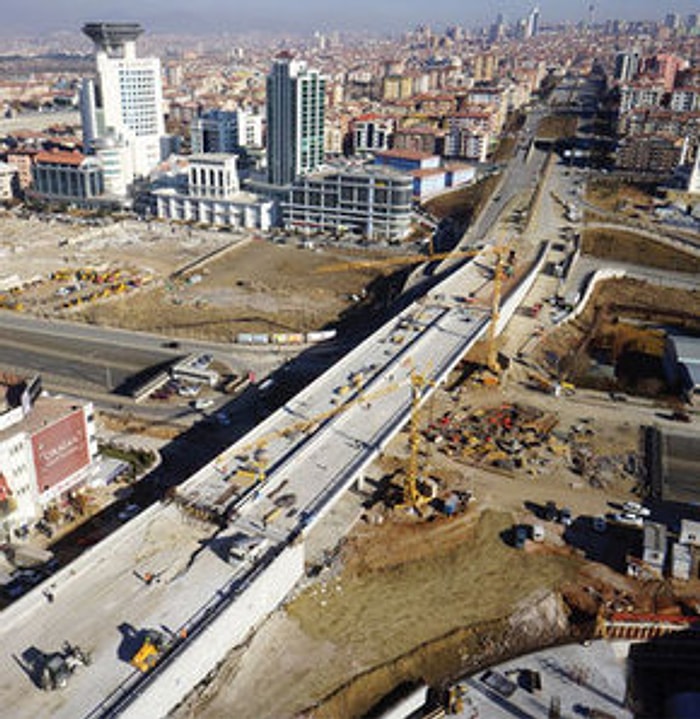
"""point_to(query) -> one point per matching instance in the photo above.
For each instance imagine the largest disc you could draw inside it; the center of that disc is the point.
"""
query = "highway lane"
(75, 361)
(519, 175)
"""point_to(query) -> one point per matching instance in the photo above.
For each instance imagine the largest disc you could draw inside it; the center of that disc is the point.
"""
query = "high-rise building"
(123, 103)
(295, 119)
(533, 22)
(672, 21)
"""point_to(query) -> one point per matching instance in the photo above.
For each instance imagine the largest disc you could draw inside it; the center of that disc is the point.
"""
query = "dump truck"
(154, 645)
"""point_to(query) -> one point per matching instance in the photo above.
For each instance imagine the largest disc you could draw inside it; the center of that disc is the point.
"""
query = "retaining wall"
(591, 282)
(516, 298)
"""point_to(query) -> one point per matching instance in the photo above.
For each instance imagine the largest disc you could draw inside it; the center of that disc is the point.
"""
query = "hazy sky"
(33, 17)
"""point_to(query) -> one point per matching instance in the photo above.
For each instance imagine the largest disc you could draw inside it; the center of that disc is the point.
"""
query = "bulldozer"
(154, 645)
(57, 667)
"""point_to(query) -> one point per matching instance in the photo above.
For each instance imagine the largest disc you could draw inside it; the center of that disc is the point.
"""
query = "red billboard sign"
(60, 450)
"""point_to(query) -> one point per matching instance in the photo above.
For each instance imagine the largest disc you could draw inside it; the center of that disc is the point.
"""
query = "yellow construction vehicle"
(154, 645)
(550, 386)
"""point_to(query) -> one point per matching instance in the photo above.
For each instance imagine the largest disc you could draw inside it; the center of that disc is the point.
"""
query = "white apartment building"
(639, 95)
(468, 144)
(124, 101)
(372, 133)
(685, 99)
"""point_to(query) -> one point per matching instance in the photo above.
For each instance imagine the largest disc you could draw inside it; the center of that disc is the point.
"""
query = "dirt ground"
(631, 247)
(611, 194)
(148, 276)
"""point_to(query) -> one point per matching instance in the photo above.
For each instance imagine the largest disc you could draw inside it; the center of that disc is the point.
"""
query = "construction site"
(494, 524)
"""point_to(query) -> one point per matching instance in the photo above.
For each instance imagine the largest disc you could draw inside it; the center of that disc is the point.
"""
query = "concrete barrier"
(200, 653)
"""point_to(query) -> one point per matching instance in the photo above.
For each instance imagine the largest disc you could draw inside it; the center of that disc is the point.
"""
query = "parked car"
(520, 534)
(131, 510)
(680, 416)
(550, 511)
(628, 519)
(636, 508)
(565, 517)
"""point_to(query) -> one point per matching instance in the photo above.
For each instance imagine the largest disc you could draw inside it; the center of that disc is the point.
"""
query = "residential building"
(210, 194)
(627, 65)
(420, 138)
(9, 184)
(649, 154)
(71, 177)
(685, 99)
(372, 201)
(639, 95)
(372, 133)
(23, 161)
(397, 87)
(124, 101)
(295, 119)
(469, 145)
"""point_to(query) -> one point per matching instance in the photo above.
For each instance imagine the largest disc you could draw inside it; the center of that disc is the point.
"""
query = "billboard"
(60, 450)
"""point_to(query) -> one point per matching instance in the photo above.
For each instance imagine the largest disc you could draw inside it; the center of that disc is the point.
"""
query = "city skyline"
(34, 17)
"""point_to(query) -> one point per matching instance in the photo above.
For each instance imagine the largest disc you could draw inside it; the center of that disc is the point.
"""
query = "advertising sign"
(60, 450)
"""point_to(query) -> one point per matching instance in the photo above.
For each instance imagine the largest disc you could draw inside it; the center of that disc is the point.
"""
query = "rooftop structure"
(112, 37)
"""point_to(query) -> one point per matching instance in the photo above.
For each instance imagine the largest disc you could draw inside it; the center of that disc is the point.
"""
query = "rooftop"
(406, 154)
(60, 157)
(45, 411)
(112, 34)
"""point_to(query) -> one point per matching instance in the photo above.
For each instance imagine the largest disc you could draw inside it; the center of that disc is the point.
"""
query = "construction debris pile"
(512, 437)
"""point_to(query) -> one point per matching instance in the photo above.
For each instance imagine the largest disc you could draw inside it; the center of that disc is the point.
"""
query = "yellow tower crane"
(413, 498)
